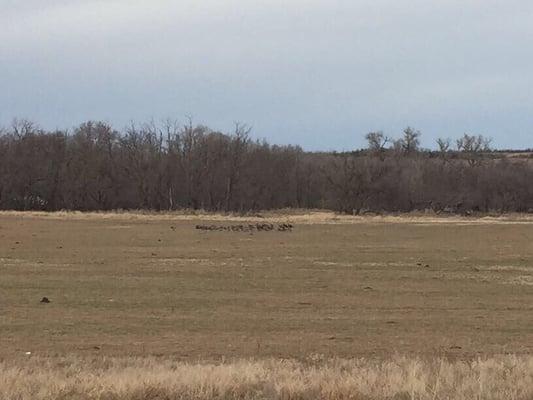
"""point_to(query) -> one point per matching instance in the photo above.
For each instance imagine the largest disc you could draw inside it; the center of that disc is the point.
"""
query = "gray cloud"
(311, 72)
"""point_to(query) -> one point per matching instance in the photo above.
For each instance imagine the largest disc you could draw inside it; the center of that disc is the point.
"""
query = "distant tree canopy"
(170, 166)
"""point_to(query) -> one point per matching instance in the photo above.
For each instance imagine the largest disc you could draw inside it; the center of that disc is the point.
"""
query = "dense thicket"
(95, 167)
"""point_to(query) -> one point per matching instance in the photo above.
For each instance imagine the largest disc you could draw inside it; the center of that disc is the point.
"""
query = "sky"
(320, 74)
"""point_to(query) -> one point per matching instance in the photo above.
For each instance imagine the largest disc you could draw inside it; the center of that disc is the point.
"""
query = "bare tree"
(444, 147)
(377, 142)
(410, 141)
(473, 147)
(170, 131)
(444, 144)
(473, 143)
(164, 166)
(238, 145)
(347, 178)
(189, 144)
(23, 127)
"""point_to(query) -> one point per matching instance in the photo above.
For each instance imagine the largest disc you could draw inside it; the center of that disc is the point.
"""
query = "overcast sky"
(316, 73)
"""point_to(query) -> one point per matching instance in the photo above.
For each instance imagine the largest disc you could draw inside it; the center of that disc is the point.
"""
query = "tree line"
(171, 166)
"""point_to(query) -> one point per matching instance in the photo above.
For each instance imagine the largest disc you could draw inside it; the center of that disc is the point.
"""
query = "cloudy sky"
(316, 73)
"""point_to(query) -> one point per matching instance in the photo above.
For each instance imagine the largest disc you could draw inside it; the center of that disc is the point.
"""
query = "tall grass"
(506, 377)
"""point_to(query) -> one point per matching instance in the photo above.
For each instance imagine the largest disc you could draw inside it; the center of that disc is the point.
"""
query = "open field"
(131, 286)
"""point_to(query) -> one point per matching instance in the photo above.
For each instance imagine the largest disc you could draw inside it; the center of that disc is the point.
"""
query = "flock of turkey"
(259, 227)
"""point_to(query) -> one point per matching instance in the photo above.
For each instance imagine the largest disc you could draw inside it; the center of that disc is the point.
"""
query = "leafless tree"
(377, 142)
(473, 147)
(410, 141)
(444, 144)
(236, 157)
(170, 165)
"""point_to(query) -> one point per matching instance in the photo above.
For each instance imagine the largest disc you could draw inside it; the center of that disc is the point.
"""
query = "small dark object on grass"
(45, 300)
(285, 227)
(264, 227)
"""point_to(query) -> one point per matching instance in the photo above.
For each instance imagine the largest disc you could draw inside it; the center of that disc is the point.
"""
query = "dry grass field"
(508, 378)
(417, 298)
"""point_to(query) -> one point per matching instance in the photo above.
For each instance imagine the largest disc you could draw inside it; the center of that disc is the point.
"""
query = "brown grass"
(509, 378)
(147, 307)
(160, 287)
(299, 216)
